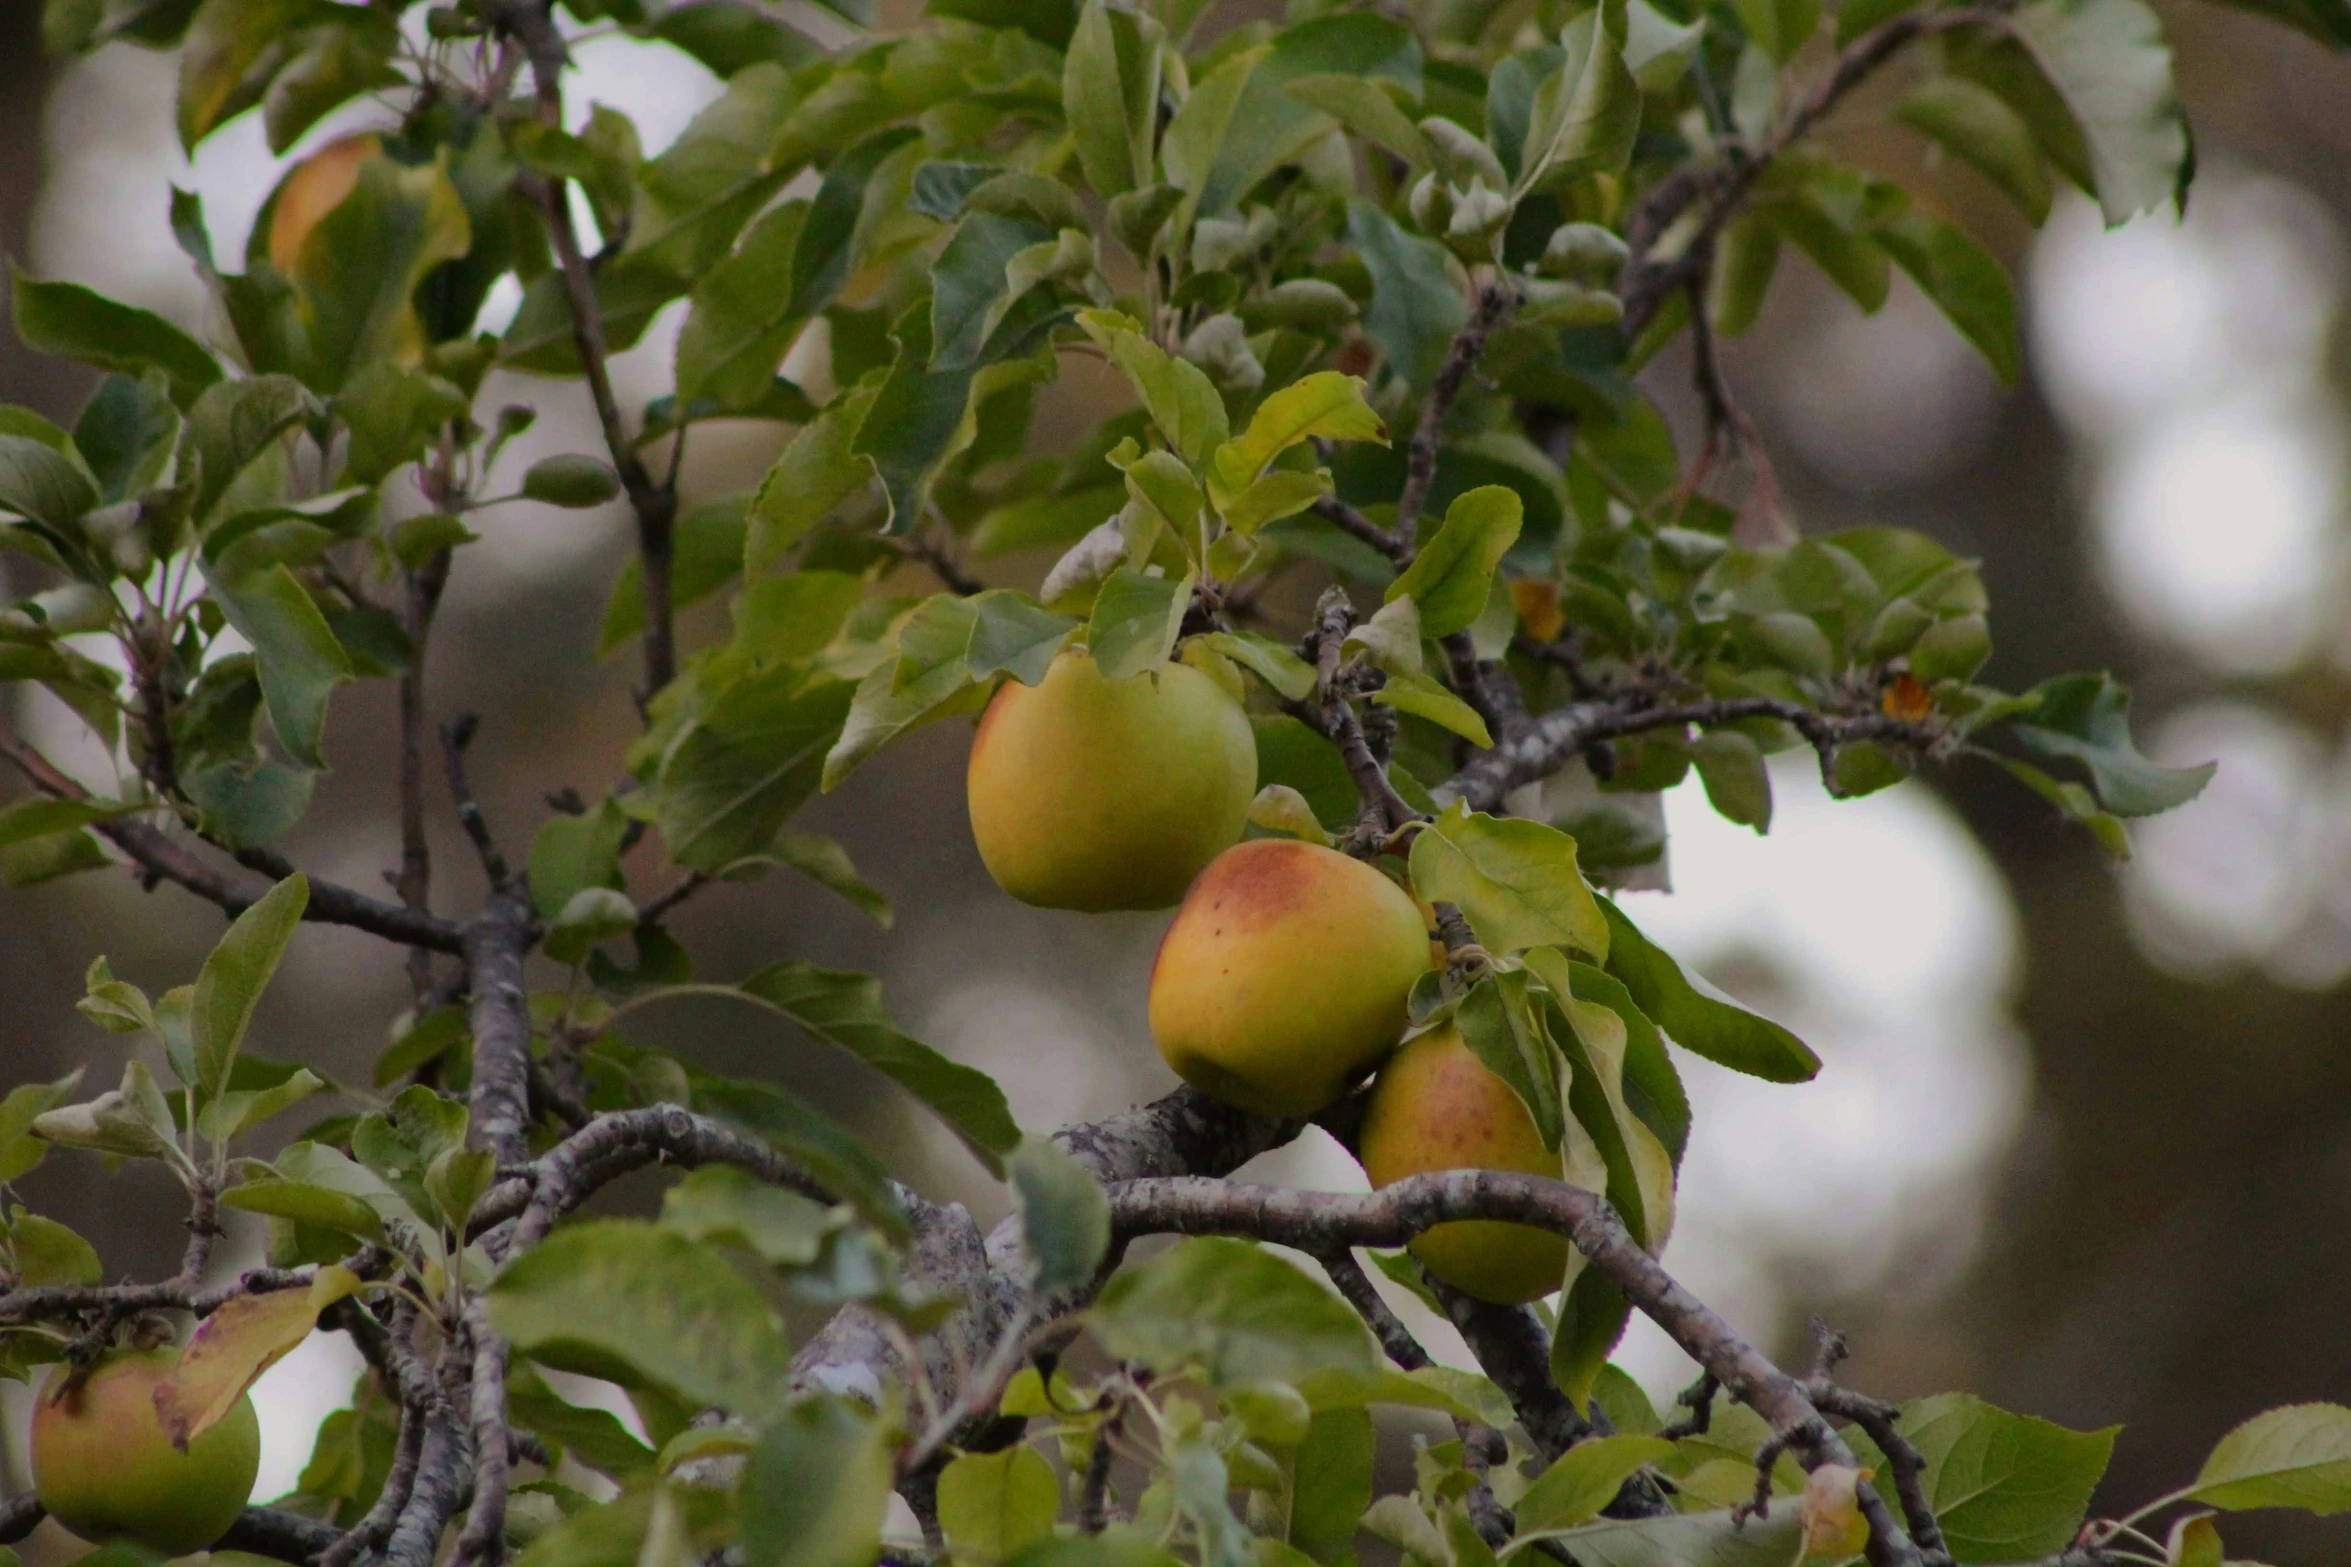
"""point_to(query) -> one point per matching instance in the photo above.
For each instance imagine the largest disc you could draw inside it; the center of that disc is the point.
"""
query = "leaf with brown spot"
(235, 1345)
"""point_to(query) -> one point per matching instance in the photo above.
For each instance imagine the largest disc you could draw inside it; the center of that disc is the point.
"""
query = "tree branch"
(1315, 1221)
(286, 1537)
(1718, 192)
(496, 944)
(1491, 304)
(162, 858)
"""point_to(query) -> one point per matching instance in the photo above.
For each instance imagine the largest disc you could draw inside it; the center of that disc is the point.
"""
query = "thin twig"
(1492, 303)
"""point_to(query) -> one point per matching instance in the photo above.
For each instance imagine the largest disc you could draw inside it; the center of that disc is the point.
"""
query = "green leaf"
(336, 64)
(816, 1488)
(358, 271)
(1136, 622)
(231, 53)
(1697, 1017)
(2108, 62)
(816, 473)
(1516, 881)
(2328, 21)
(1779, 27)
(1241, 1314)
(49, 1253)
(309, 1204)
(741, 324)
(968, 284)
(1182, 402)
(593, 915)
(593, 1436)
(823, 861)
(734, 1208)
(74, 322)
(1976, 126)
(2087, 718)
(995, 1504)
(1110, 97)
(2297, 1456)
(1587, 112)
(2004, 1487)
(37, 482)
(301, 660)
(1065, 1219)
(706, 554)
(819, 1145)
(1266, 127)
(1715, 1539)
(1424, 698)
(236, 974)
(1365, 108)
(1500, 1030)
(1324, 406)
(1466, 1395)
(913, 421)
(393, 414)
(846, 1010)
(1583, 1480)
(1453, 575)
(20, 1150)
(619, 1295)
(1965, 281)
(740, 770)
(1290, 676)
(1738, 785)
(1331, 1482)
(571, 480)
(1416, 307)
(134, 1120)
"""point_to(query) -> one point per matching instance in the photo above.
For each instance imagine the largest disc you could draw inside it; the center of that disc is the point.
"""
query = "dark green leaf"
(741, 770)
(846, 1010)
(2004, 1487)
(2087, 718)
(1699, 1019)
(1965, 282)
(74, 322)
(1416, 307)
(300, 659)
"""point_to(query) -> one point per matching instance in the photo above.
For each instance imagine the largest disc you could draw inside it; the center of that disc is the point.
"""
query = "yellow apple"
(1285, 976)
(1438, 1107)
(315, 188)
(1096, 794)
(104, 1468)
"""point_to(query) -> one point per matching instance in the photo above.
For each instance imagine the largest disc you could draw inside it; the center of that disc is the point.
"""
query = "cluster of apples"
(1287, 974)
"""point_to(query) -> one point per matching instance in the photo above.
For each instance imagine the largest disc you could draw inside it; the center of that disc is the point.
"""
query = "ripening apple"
(104, 1468)
(1285, 976)
(1096, 794)
(1438, 1107)
(315, 188)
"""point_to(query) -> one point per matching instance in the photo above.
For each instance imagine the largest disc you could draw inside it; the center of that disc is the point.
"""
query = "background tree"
(1646, 626)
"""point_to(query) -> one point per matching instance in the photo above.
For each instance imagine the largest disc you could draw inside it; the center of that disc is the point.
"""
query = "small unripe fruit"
(1438, 1107)
(315, 188)
(1096, 794)
(1285, 976)
(104, 1468)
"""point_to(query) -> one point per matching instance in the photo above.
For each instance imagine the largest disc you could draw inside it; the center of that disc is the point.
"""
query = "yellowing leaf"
(235, 1345)
(1833, 1526)
(1326, 405)
(1515, 880)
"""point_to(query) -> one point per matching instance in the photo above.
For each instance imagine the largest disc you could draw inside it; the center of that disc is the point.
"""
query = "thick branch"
(628, 1140)
(496, 943)
(286, 1537)
(1320, 1221)
(483, 1540)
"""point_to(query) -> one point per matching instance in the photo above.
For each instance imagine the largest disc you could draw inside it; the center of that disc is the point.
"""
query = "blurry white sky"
(2188, 359)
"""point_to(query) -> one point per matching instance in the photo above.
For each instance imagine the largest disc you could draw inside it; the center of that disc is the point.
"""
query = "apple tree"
(1381, 534)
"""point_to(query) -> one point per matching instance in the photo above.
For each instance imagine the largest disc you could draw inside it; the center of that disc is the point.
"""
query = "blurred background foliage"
(2083, 1141)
